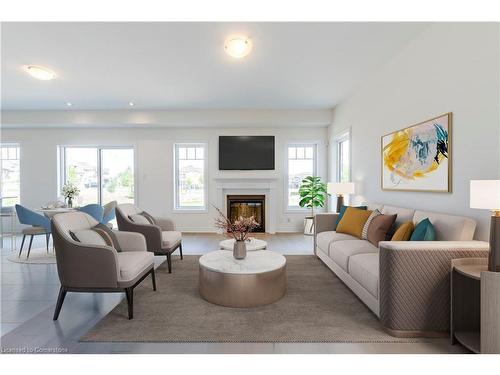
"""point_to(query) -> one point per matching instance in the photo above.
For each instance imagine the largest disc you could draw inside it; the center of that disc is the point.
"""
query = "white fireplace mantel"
(251, 186)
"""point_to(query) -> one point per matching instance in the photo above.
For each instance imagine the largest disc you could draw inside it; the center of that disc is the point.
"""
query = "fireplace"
(247, 205)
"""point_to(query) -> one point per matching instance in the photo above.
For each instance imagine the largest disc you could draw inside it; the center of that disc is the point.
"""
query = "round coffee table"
(257, 280)
(252, 244)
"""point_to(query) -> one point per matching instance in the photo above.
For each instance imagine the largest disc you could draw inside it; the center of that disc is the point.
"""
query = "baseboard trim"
(410, 334)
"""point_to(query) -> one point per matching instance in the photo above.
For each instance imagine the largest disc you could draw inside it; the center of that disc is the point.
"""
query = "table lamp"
(485, 194)
(340, 189)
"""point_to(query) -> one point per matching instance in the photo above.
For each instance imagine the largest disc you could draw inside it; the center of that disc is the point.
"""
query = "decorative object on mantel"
(239, 230)
(418, 158)
(312, 194)
(485, 194)
(70, 191)
(340, 189)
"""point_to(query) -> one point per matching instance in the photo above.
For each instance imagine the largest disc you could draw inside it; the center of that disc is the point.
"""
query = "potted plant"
(70, 191)
(239, 230)
(312, 194)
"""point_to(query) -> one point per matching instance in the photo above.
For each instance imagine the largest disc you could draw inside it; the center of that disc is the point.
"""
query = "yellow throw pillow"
(403, 233)
(353, 221)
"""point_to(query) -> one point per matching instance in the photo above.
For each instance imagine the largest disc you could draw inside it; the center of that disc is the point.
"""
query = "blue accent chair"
(95, 210)
(109, 212)
(39, 225)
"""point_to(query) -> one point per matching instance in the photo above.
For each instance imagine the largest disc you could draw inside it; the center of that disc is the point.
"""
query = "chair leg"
(180, 250)
(153, 278)
(47, 236)
(169, 262)
(129, 292)
(60, 300)
(22, 244)
(29, 248)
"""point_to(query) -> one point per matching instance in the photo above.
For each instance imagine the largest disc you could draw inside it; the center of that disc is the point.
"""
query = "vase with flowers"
(239, 230)
(70, 191)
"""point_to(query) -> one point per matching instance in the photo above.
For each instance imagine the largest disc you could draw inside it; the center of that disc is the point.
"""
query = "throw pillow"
(342, 212)
(107, 233)
(353, 221)
(364, 232)
(150, 218)
(424, 231)
(88, 237)
(139, 219)
(377, 231)
(403, 233)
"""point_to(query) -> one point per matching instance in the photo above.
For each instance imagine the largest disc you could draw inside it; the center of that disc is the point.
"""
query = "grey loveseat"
(405, 283)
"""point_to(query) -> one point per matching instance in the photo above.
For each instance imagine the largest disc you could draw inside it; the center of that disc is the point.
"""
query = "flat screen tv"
(246, 152)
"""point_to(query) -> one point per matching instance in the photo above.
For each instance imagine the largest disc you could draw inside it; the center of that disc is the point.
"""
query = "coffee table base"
(242, 290)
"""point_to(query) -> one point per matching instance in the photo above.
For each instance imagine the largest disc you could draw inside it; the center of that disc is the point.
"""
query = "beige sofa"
(405, 283)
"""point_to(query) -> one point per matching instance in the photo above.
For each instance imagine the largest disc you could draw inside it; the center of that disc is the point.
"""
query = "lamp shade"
(485, 194)
(340, 188)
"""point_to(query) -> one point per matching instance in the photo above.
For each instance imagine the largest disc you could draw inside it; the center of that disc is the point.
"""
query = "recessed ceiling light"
(131, 104)
(238, 46)
(39, 72)
(69, 104)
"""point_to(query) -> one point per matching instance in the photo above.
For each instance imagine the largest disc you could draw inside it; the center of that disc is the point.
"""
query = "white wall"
(154, 159)
(448, 68)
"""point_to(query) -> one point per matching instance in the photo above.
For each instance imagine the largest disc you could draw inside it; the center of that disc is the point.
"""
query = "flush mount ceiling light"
(131, 104)
(238, 46)
(39, 72)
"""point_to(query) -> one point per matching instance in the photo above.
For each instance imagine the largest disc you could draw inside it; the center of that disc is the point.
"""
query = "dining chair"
(109, 212)
(39, 225)
(95, 210)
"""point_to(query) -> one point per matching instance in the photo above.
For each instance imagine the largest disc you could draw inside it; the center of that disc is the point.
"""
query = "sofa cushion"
(324, 239)
(341, 251)
(448, 227)
(424, 231)
(380, 225)
(364, 268)
(403, 233)
(353, 221)
(170, 238)
(132, 263)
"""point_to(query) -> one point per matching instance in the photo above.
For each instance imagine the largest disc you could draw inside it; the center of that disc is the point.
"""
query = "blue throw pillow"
(424, 231)
(342, 212)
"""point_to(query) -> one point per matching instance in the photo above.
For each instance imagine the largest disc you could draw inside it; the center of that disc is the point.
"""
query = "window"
(103, 174)
(11, 176)
(301, 163)
(190, 188)
(343, 158)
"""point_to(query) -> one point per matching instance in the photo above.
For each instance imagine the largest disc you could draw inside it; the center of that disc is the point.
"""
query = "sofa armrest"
(324, 222)
(414, 283)
(164, 223)
(131, 241)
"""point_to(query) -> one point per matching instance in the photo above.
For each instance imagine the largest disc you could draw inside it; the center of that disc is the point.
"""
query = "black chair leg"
(180, 250)
(22, 244)
(29, 248)
(153, 278)
(60, 300)
(169, 262)
(129, 292)
(47, 236)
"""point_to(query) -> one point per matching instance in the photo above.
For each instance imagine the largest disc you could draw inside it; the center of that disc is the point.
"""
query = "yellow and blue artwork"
(418, 158)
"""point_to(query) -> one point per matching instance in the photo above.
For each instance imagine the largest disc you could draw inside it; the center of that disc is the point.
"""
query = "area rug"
(318, 307)
(38, 255)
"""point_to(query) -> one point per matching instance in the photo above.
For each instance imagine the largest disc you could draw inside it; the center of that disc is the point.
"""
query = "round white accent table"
(252, 244)
(257, 280)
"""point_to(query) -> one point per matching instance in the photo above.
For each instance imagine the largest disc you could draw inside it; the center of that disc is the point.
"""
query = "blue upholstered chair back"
(29, 217)
(109, 212)
(95, 210)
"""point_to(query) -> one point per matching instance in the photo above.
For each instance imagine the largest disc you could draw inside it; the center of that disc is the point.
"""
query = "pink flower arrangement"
(239, 229)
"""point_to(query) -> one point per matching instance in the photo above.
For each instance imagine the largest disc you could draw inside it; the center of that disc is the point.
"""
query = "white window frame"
(344, 136)
(18, 146)
(62, 167)
(190, 209)
(315, 172)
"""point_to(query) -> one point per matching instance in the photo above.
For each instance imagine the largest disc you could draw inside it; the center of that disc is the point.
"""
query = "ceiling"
(183, 65)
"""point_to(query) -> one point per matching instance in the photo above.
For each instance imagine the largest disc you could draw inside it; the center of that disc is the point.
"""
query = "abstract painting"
(418, 158)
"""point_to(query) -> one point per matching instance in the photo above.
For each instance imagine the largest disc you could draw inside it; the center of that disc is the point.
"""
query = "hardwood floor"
(29, 293)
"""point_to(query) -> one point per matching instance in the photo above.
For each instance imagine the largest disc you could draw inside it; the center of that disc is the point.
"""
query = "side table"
(475, 305)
